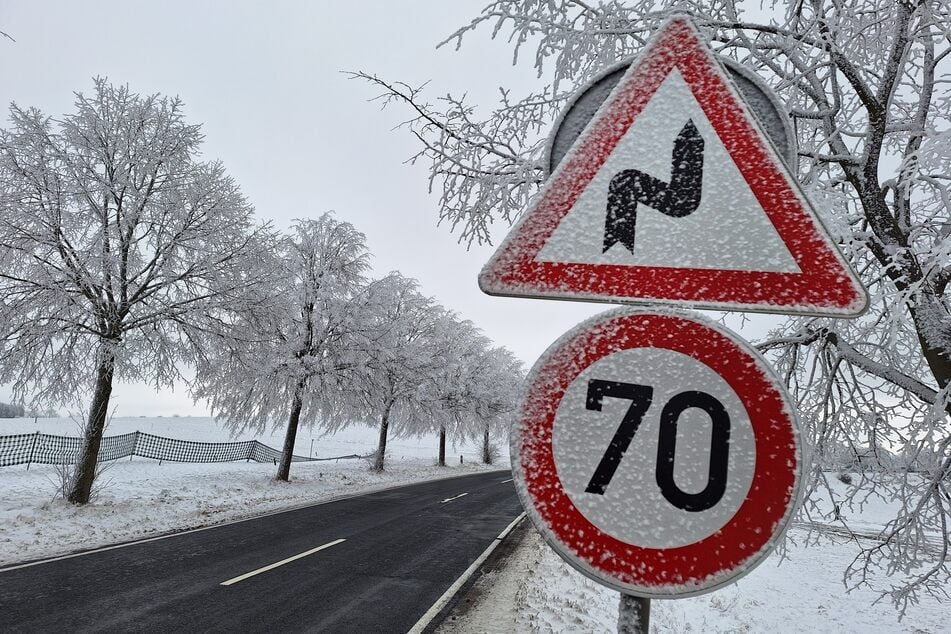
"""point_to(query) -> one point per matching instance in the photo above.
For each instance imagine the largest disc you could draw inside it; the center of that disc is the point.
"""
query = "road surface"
(372, 563)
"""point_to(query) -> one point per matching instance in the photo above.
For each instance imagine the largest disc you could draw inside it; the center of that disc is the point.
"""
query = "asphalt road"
(402, 549)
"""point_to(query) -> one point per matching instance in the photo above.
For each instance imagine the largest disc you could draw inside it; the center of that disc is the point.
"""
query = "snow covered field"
(141, 497)
(538, 592)
(800, 590)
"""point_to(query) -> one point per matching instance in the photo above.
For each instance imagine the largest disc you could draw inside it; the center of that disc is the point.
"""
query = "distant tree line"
(123, 256)
(12, 411)
(18, 410)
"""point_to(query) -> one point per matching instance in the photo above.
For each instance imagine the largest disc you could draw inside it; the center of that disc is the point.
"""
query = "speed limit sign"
(656, 452)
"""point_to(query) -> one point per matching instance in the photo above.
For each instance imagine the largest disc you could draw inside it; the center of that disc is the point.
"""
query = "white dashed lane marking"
(280, 563)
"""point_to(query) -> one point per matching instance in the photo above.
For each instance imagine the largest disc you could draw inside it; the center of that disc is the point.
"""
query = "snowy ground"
(538, 592)
(141, 497)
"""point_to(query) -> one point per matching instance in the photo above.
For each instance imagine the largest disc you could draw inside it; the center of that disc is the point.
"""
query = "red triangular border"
(826, 284)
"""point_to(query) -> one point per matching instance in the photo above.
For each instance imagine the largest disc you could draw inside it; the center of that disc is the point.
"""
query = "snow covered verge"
(537, 592)
(142, 498)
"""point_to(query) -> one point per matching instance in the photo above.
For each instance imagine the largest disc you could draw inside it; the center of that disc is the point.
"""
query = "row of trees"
(332, 347)
(862, 83)
(12, 411)
(124, 257)
(19, 410)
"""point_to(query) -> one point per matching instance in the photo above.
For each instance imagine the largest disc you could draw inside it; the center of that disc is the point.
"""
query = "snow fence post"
(29, 459)
(634, 615)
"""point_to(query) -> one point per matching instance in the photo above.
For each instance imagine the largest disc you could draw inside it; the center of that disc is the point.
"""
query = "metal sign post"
(634, 615)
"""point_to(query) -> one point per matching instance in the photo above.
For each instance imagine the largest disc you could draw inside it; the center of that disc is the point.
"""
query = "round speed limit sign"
(656, 452)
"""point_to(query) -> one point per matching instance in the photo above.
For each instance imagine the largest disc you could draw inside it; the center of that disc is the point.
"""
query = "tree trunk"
(934, 333)
(284, 469)
(442, 446)
(486, 449)
(381, 448)
(928, 313)
(80, 487)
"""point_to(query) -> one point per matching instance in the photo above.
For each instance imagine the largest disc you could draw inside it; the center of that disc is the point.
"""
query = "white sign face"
(581, 436)
(673, 193)
(742, 240)
(656, 453)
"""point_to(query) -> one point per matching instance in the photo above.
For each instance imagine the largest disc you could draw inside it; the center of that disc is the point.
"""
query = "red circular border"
(701, 564)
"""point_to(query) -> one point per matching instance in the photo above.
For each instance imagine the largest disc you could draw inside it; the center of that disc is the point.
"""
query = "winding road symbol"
(747, 237)
(677, 199)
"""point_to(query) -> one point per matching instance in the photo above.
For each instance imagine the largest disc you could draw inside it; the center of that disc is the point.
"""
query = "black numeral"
(641, 397)
(719, 451)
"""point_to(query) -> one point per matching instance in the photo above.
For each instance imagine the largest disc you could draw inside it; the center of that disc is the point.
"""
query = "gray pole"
(32, 448)
(634, 615)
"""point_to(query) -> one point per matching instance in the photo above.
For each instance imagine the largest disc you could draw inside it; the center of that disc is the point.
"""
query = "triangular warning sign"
(672, 194)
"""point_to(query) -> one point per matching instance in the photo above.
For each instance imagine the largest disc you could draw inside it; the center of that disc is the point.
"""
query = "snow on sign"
(656, 452)
(674, 194)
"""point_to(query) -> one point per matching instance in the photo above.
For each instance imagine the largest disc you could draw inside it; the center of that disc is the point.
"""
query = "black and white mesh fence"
(40, 448)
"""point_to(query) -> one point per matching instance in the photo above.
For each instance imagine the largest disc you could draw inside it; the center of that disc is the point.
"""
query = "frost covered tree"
(122, 256)
(500, 375)
(863, 84)
(455, 380)
(8, 410)
(394, 382)
(476, 389)
(297, 368)
(419, 370)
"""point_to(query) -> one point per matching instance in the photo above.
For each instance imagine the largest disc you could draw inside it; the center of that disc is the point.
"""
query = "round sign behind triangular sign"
(583, 105)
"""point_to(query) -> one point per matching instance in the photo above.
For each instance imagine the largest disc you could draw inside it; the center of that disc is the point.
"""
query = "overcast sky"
(265, 81)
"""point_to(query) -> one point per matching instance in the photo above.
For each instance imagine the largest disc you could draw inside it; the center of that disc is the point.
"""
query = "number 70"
(641, 397)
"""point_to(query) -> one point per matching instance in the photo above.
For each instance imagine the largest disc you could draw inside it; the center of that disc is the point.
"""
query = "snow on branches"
(863, 84)
(334, 349)
(121, 255)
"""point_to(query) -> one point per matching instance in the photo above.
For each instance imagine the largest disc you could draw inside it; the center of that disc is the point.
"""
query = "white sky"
(298, 136)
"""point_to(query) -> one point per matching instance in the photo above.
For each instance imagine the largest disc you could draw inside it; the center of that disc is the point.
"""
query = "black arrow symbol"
(677, 199)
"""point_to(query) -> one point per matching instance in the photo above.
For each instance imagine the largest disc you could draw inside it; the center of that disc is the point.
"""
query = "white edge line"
(454, 588)
(248, 575)
(176, 533)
